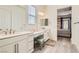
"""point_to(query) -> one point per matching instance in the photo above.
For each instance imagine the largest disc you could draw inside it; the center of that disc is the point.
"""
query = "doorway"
(64, 23)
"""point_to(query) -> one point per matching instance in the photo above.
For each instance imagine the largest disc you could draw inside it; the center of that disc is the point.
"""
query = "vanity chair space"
(40, 37)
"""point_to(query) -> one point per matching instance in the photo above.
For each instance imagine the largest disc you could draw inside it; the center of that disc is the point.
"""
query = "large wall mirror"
(5, 18)
(18, 18)
(44, 22)
(12, 18)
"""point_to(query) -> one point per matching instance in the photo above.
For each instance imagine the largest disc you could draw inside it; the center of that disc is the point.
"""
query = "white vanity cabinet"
(30, 44)
(22, 46)
(25, 45)
(17, 44)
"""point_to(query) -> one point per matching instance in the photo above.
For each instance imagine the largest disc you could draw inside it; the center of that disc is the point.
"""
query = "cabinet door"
(26, 45)
(46, 35)
(11, 48)
(22, 46)
(30, 44)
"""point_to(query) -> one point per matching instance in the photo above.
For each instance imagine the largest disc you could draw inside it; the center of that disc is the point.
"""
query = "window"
(31, 14)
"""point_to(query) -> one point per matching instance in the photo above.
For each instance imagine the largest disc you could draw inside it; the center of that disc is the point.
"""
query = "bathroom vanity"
(16, 43)
(21, 42)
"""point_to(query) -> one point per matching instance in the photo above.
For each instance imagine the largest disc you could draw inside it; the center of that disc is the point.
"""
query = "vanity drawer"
(30, 38)
(6, 41)
(14, 39)
(21, 37)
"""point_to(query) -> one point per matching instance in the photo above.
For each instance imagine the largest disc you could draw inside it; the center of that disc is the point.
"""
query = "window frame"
(30, 15)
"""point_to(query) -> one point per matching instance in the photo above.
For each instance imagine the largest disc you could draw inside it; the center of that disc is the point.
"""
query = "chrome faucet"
(11, 31)
(5, 31)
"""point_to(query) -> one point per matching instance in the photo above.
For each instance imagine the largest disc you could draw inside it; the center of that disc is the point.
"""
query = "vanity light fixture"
(41, 13)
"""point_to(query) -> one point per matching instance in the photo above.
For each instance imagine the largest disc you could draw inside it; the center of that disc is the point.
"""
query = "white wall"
(52, 17)
(75, 27)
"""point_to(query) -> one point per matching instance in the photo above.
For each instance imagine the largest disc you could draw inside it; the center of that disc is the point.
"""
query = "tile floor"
(61, 46)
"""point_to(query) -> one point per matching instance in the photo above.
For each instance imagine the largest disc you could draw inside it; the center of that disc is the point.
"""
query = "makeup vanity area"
(40, 38)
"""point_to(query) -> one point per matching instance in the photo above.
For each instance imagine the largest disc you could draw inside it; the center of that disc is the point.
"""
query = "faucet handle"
(10, 31)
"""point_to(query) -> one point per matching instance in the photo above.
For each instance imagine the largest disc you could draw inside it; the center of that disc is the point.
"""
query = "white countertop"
(12, 35)
(21, 33)
(40, 31)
